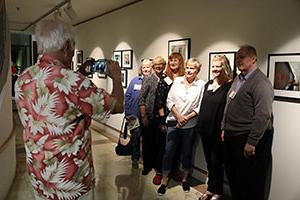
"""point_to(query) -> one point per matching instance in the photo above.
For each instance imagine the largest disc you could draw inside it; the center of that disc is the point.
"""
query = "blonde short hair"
(158, 60)
(194, 61)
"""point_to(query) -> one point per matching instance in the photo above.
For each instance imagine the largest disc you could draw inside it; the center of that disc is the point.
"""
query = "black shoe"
(185, 186)
(135, 164)
(162, 189)
(146, 171)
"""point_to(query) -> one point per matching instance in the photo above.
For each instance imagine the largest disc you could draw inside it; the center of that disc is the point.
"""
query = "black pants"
(213, 151)
(248, 177)
(136, 140)
(153, 145)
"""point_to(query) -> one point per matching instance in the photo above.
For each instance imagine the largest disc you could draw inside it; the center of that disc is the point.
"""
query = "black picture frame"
(182, 46)
(79, 58)
(231, 56)
(124, 78)
(284, 73)
(127, 58)
(117, 56)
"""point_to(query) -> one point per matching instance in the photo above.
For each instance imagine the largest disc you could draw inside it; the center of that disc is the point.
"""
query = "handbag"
(124, 146)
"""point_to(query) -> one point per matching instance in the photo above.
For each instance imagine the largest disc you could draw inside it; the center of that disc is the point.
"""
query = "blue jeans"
(175, 137)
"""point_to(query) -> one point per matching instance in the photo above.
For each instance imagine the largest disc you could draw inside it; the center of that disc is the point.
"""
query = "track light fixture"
(70, 12)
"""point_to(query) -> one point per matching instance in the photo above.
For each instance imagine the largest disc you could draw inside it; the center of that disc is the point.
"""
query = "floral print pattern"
(55, 106)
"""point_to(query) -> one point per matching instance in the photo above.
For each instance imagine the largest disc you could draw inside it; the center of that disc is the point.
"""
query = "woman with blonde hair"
(151, 142)
(184, 103)
(209, 125)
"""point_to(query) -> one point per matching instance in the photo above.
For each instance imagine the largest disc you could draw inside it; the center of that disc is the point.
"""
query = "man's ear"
(254, 59)
(67, 45)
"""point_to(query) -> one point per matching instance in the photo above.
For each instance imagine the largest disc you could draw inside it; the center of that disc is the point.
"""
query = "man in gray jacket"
(248, 129)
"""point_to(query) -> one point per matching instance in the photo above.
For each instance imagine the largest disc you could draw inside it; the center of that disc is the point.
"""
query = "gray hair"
(145, 61)
(52, 34)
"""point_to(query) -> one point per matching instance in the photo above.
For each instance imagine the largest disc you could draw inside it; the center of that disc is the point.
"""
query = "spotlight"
(57, 14)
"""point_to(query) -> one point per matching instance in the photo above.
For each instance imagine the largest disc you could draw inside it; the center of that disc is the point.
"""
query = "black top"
(162, 91)
(212, 109)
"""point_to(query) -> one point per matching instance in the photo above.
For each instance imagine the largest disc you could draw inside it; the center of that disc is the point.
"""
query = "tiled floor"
(115, 179)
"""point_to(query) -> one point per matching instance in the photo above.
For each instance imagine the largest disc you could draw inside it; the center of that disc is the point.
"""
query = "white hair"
(52, 34)
(146, 62)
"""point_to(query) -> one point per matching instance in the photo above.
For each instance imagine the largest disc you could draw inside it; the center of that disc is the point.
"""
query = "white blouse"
(185, 99)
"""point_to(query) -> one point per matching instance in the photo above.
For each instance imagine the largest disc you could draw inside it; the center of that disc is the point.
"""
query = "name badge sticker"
(232, 94)
(168, 80)
(210, 87)
(137, 87)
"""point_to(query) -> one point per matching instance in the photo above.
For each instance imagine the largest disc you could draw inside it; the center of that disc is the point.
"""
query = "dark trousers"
(248, 177)
(213, 151)
(136, 141)
(175, 138)
(153, 144)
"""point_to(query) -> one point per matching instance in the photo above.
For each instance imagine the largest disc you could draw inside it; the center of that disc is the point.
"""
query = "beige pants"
(87, 196)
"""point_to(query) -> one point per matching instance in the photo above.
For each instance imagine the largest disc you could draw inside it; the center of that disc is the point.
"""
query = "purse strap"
(123, 131)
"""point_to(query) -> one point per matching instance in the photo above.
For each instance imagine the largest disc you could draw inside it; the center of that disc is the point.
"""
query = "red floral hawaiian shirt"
(55, 106)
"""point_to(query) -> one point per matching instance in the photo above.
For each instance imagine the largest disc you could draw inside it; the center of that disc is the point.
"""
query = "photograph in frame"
(127, 59)
(117, 56)
(231, 56)
(284, 74)
(124, 78)
(182, 46)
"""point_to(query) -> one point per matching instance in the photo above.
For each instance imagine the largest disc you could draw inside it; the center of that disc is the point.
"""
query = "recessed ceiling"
(23, 14)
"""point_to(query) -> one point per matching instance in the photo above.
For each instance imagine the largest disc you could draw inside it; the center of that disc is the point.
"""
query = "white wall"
(272, 26)
(7, 141)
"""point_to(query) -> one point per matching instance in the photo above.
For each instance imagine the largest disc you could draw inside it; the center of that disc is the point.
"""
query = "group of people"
(233, 116)
(235, 124)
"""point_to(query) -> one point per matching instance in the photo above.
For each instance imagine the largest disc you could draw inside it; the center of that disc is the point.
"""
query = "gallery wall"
(7, 139)
(272, 26)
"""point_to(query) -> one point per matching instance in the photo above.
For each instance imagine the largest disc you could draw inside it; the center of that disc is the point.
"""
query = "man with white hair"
(56, 105)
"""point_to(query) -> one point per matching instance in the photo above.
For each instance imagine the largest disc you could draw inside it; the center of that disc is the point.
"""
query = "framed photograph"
(117, 56)
(124, 78)
(127, 59)
(284, 74)
(79, 57)
(182, 46)
(231, 56)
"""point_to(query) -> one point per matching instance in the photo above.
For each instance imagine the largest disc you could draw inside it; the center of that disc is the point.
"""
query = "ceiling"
(23, 14)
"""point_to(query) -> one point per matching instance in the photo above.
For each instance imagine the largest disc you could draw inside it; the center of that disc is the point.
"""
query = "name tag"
(137, 87)
(232, 94)
(168, 80)
(210, 87)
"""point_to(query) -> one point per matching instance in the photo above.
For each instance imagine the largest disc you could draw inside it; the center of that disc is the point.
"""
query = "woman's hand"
(163, 128)
(181, 120)
(145, 120)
